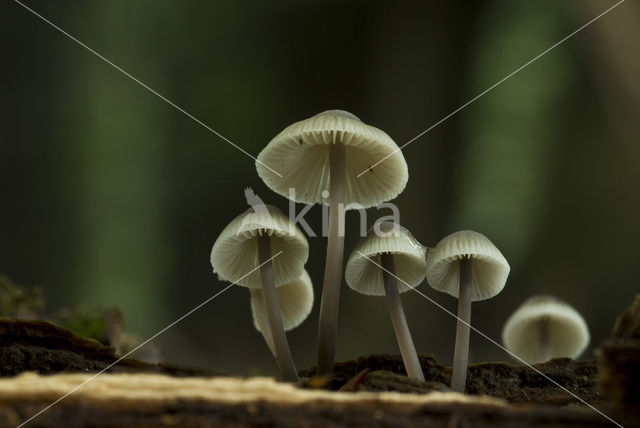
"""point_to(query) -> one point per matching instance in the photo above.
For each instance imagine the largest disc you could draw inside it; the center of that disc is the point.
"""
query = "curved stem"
(280, 345)
(544, 340)
(261, 314)
(461, 352)
(399, 321)
(328, 322)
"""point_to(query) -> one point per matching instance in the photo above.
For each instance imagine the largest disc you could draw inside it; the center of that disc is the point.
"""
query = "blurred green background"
(110, 196)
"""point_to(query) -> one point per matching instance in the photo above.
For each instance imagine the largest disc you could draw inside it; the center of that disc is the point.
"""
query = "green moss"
(628, 324)
(20, 302)
(84, 322)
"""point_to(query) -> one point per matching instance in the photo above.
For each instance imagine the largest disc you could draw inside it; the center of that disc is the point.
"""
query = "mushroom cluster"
(325, 153)
(333, 158)
(263, 239)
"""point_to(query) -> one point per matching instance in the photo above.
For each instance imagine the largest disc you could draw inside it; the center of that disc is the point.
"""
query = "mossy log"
(145, 400)
(517, 384)
(136, 394)
(46, 348)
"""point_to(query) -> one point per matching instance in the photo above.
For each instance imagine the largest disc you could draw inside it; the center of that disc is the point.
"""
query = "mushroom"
(295, 300)
(263, 236)
(400, 255)
(545, 327)
(469, 267)
(326, 152)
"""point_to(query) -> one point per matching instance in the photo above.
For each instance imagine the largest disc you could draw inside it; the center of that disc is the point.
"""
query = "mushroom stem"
(461, 352)
(328, 323)
(280, 346)
(265, 329)
(399, 321)
(544, 339)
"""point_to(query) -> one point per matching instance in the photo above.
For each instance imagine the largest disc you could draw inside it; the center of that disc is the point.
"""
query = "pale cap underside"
(489, 267)
(235, 252)
(568, 332)
(365, 277)
(300, 153)
(295, 300)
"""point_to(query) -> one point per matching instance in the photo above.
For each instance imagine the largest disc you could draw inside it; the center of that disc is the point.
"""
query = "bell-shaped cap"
(300, 153)
(568, 332)
(409, 259)
(489, 268)
(235, 252)
(294, 298)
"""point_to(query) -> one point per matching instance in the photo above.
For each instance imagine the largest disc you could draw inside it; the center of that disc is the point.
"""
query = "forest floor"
(40, 362)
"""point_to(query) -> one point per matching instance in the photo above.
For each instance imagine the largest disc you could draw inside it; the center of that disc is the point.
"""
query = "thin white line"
(492, 87)
(172, 104)
(148, 340)
(490, 339)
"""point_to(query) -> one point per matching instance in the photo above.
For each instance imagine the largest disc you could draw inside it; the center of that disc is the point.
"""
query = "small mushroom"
(263, 236)
(469, 267)
(295, 300)
(545, 327)
(401, 255)
(327, 152)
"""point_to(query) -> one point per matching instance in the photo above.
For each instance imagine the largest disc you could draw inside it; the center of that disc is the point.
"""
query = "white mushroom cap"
(300, 153)
(489, 267)
(568, 332)
(409, 259)
(235, 252)
(295, 300)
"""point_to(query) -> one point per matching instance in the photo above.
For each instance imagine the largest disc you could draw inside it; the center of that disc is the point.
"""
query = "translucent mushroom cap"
(489, 268)
(568, 332)
(300, 153)
(295, 299)
(365, 277)
(235, 252)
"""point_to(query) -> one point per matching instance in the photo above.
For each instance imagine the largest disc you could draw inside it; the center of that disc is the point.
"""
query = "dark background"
(110, 196)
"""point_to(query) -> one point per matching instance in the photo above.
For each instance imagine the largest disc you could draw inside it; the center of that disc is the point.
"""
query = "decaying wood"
(126, 400)
(46, 348)
(513, 383)
(619, 377)
(136, 394)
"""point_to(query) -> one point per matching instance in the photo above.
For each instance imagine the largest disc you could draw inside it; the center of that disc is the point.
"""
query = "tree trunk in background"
(503, 177)
(615, 72)
(121, 149)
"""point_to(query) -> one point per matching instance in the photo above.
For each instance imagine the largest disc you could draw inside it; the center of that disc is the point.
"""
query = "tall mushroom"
(295, 300)
(263, 236)
(545, 327)
(469, 267)
(401, 255)
(327, 152)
